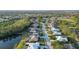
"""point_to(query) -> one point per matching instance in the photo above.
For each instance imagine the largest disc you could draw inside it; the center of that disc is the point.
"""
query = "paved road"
(46, 36)
(33, 45)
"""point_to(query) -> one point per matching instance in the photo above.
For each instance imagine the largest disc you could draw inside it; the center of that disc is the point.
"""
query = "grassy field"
(13, 27)
(68, 25)
(22, 42)
(57, 45)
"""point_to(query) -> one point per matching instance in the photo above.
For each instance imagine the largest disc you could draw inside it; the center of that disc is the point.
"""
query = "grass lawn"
(22, 42)
(57, 45)
(12, 27)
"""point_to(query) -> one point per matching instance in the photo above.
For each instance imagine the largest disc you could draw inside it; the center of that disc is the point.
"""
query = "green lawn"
(21, 44)
(13, 27)
(57, 45)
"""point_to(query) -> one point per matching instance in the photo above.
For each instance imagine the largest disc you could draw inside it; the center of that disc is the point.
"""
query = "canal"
(10, 42)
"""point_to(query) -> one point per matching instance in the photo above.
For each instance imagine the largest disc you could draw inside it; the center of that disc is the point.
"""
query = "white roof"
(55, 29)
(57, 33)
(61, 38)
(1, 19)
(33, 45)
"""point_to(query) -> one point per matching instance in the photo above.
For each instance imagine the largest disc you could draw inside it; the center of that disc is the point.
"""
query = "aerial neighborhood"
(39, 30)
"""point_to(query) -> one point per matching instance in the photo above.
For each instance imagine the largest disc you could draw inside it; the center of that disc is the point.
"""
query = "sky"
(39, 5)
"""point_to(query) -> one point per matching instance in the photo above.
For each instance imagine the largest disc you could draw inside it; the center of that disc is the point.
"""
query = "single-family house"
(62, 38)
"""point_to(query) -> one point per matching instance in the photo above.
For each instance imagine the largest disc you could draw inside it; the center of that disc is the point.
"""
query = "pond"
(9, 43)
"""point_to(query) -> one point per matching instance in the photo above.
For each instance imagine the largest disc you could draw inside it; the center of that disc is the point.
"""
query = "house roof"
(62, 38)
(55, 29)
(34, 45)
(57, 33)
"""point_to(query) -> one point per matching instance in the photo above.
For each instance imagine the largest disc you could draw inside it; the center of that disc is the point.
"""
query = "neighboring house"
(2, 20)
(49, 25)
(33, 38)
(35, 25)
(34, 45)
(55, 29)
(44, 47)
(57, 33)
(32, 30)
(62, 38)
